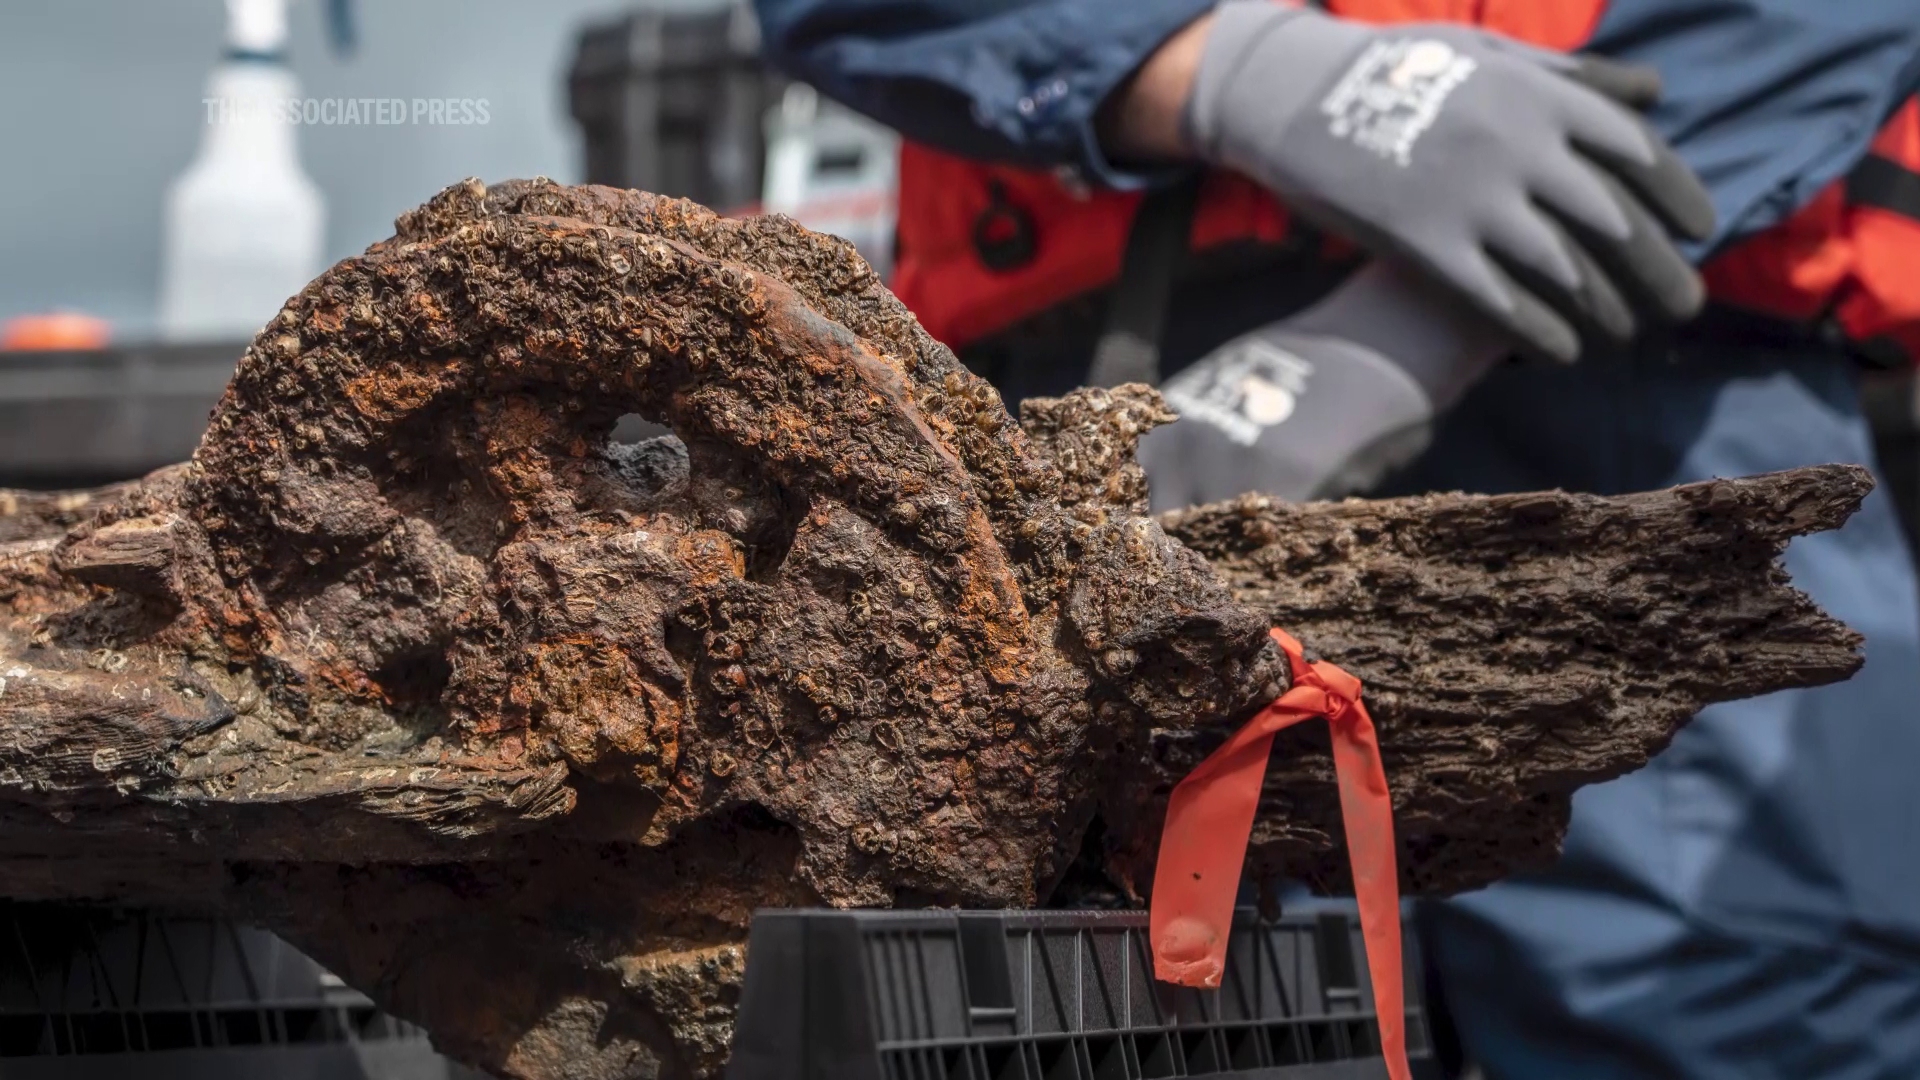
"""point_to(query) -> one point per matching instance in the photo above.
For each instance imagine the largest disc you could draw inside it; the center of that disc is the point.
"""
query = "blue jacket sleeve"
(1769, 100)
(1017, 81)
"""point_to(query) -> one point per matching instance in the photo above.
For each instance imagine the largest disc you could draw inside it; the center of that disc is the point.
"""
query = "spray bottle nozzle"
(342, 31)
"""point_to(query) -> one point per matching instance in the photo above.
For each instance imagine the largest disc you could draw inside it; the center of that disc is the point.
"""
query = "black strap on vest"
(1886, 184)
(1129, 346)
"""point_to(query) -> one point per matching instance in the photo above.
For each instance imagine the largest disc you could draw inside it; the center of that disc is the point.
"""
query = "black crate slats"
(1051, 995)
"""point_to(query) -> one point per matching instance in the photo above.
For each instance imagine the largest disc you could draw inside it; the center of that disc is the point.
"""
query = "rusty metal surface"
(513, 725)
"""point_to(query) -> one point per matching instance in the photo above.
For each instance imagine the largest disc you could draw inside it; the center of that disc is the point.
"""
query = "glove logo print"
(1253, 388)
(1393, 93)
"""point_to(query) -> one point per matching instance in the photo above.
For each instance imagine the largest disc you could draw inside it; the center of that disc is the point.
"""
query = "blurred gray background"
(100, 110)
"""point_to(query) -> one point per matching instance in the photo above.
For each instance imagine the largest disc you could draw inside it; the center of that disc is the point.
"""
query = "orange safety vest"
(983, 247)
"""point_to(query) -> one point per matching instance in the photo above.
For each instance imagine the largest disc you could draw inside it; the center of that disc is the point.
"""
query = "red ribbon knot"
(1203, 845)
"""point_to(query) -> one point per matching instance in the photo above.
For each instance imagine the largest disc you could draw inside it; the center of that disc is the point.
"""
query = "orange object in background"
(54, 331)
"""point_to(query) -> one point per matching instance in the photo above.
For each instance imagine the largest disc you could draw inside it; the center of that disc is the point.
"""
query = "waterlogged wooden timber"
(513, 727)
(1513, 648)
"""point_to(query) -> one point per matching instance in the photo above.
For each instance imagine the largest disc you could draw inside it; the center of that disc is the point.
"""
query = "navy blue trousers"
(1748, 904)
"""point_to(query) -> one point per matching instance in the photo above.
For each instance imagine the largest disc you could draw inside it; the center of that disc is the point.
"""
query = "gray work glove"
(1323, 404)
(1513, 175)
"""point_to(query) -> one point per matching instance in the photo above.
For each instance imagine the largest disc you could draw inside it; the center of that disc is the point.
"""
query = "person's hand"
(1323, 404)
(1514, 176)
(1289, 415)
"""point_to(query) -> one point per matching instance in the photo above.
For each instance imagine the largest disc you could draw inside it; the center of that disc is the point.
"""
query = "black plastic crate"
(1054, 995)
(97, 993)
(673, 102)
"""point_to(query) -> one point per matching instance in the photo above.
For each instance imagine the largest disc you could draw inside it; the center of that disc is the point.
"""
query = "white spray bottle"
(244, 224)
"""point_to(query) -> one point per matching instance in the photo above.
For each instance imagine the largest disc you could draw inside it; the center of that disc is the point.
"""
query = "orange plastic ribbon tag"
(1210, 817)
